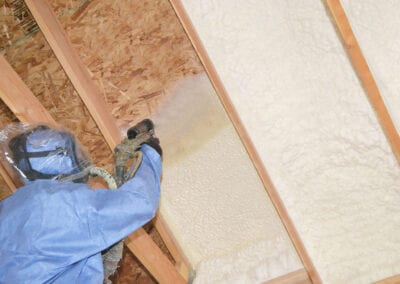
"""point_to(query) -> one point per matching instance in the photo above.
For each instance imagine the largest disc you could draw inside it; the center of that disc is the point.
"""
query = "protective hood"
(43, 152)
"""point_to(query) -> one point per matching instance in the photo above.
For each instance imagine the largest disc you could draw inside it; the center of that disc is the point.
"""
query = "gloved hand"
(154, 143)
(145, 126)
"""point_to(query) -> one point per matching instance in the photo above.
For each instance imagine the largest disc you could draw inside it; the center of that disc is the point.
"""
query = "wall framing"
(89, 93)
(363, 72)
(28, 109)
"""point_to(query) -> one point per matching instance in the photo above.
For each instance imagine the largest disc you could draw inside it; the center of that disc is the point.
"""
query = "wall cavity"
(212, 197)
(376, 27)
(300, 100)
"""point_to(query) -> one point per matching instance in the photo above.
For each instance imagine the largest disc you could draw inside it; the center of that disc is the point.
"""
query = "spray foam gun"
(125, 153)
(128, 150)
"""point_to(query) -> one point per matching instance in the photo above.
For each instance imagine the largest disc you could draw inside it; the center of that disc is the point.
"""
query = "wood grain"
(391, 280)
(158, 264)
(17, 96)
(296, 277)
(75, 70)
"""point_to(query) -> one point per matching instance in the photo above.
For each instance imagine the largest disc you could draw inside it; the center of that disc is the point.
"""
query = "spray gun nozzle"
(144, 126)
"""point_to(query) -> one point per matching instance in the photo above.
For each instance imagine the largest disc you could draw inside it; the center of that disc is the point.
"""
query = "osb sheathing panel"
(134, 49)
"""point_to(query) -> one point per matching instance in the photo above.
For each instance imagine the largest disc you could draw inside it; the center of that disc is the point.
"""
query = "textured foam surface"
(293, 86)
(212, 197)
(376, 27)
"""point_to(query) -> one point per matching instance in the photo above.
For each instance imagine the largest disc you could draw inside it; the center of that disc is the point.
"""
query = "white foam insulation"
(289, 78)
(212, 197)
(376, 27)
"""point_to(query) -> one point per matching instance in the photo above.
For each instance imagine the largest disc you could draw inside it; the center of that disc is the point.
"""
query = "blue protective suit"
(53, 232)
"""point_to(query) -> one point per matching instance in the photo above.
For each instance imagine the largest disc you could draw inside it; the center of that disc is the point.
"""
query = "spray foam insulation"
(135, 51)
(376, 28)
(289, 77)
(212, 197)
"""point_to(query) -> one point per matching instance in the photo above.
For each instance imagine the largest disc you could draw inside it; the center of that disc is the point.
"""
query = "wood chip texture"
(134, 50)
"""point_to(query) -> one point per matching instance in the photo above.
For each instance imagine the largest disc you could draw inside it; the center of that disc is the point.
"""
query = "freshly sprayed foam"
(212, 197)
(288, 76)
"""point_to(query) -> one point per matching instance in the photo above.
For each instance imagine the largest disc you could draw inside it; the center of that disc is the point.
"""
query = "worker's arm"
(47, 227)
(77, 221)
(114, 214)
(117, 213)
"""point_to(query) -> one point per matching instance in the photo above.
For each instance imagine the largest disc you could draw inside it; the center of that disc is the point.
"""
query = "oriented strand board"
(150, 52)
(133, 49)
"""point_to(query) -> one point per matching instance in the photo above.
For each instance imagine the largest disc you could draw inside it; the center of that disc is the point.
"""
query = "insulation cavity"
(376, 27)
(294, 88)
(212, 197)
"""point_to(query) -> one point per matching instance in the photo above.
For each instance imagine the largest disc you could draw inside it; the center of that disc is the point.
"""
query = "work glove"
(154, 143)
(145, 126)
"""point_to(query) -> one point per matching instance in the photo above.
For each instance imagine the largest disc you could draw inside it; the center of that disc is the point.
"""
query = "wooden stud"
(182, 264)
(26, 107)
(371, 88)
(233, 115)
(296, 277)
(17, 96)
(391, 280)
(7, 178)
(87, 90)
(75, 69)
(365, 75)
(157, 264)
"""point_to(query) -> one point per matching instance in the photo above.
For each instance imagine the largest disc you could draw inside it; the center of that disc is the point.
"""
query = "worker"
(54, 228)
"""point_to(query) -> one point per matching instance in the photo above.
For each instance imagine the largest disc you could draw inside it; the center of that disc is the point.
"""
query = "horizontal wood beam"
(365, 75)
(251, 150)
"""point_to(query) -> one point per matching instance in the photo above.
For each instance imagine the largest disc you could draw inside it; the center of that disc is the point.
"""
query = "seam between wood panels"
(252, 152)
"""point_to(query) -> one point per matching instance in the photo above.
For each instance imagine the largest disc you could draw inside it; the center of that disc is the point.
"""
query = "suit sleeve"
(114, 214)
(80, 222)
(48, 227)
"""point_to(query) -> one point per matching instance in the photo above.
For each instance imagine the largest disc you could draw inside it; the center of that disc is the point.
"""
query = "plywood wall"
(134, 50)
